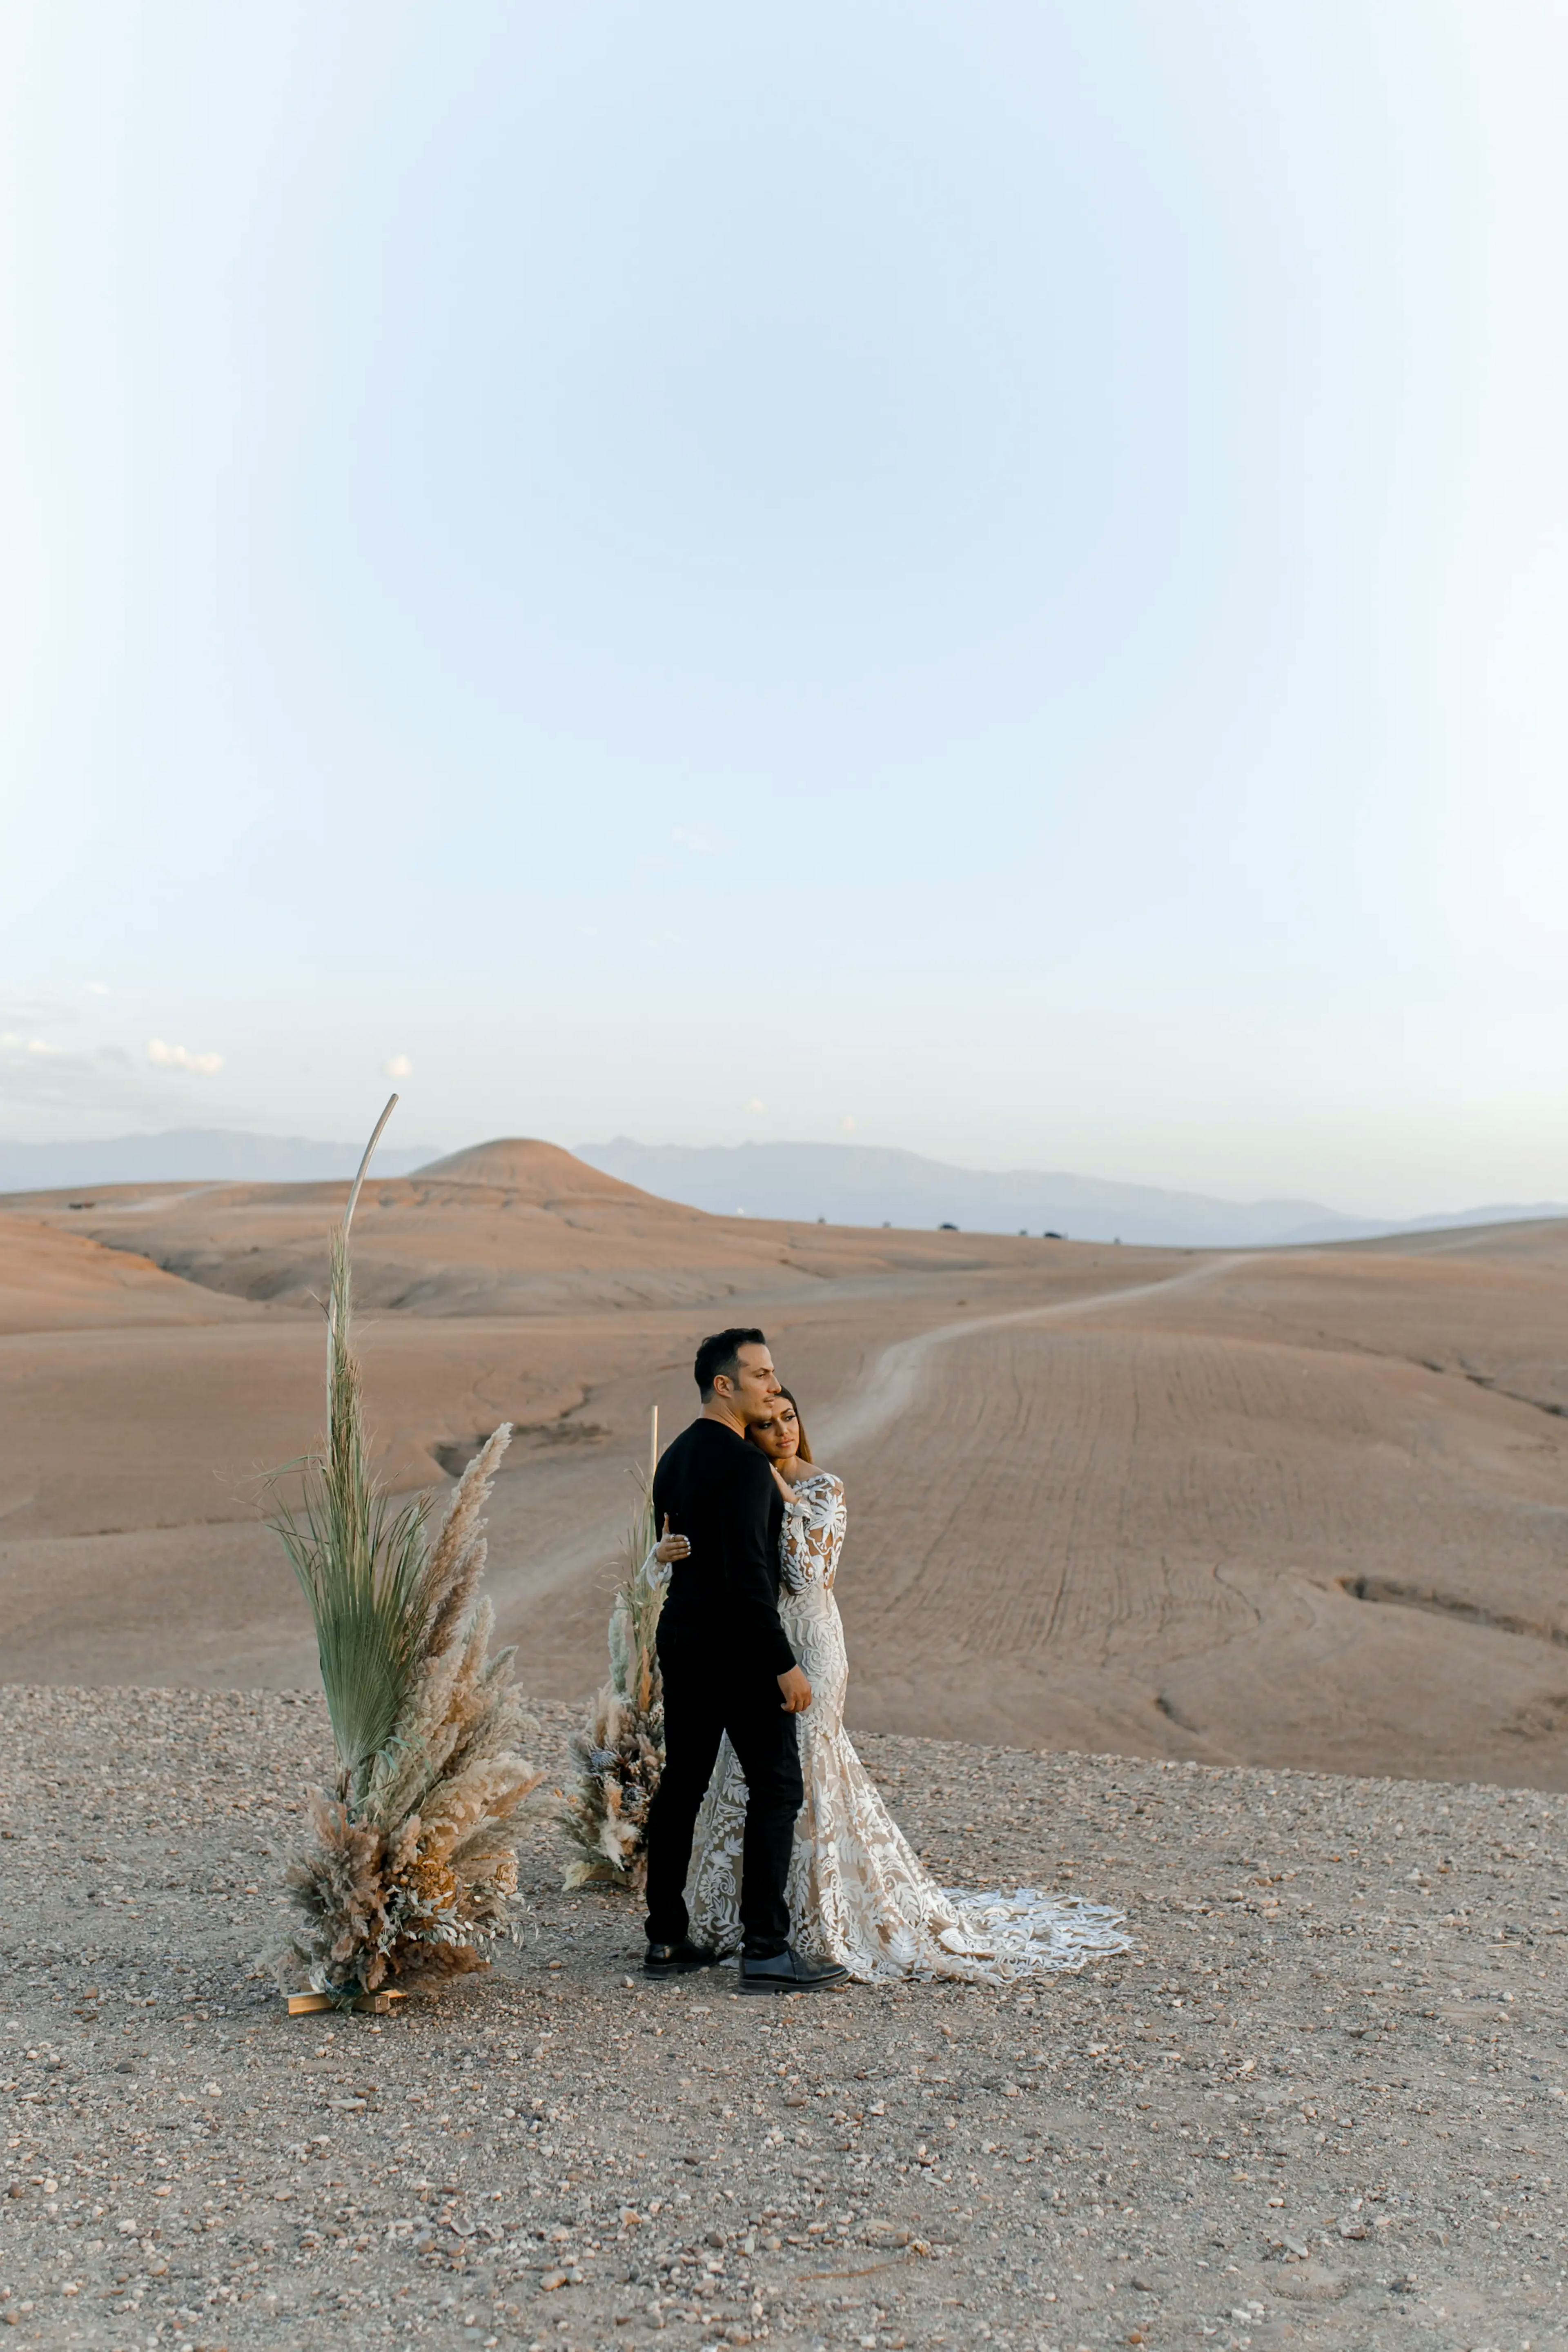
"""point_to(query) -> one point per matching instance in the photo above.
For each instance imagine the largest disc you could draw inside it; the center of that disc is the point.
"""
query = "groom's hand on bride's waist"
(796, 1692)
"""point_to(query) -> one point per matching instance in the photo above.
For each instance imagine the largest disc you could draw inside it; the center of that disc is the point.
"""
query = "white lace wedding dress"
(856, 1894)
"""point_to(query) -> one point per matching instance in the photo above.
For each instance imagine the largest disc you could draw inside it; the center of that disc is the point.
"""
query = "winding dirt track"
(902, 1370)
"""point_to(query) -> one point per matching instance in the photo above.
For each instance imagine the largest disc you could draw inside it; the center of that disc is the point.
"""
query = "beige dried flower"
(619, 1752)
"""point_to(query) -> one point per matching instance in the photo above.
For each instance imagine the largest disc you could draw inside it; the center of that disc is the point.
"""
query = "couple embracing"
(767, 1836)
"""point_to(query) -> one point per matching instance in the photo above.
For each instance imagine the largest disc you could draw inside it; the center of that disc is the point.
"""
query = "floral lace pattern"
(858, 1895)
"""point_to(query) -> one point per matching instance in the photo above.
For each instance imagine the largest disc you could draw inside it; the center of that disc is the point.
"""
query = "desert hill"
(505, 1290)
(506, 1228)
(59, 1281)
(542, 1172)
(1301, 1507)
(843, 1183)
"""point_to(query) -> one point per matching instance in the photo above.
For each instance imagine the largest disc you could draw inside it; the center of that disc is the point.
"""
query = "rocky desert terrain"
(1319, 2103)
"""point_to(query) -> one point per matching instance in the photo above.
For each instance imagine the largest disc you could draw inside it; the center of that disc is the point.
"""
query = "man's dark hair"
(721, 1353)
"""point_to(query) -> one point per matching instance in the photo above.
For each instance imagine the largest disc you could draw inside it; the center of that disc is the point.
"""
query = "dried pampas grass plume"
(619, 1752)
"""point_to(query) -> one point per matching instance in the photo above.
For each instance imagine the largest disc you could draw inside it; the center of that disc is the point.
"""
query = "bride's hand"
(669, 1548)
(782, 1482)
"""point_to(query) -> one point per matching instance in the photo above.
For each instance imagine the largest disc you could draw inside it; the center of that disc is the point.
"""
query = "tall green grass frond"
(359, 1565)
(359, 1562)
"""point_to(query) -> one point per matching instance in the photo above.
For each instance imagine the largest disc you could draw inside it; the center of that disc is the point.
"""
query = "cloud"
(99, 988)
(756, 1103)
(696, 838)
(400, 1067)
(180, 1058)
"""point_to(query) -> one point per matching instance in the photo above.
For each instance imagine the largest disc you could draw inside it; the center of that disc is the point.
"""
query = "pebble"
(1320, 2104)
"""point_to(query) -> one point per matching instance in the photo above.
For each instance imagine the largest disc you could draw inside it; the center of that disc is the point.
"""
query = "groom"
(726, 1667)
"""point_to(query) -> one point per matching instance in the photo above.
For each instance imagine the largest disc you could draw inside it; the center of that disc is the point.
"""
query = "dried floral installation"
(411, 1872)
(619, 1752)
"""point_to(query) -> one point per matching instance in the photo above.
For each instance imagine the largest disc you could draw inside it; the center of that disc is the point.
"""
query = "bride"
(857, 1897)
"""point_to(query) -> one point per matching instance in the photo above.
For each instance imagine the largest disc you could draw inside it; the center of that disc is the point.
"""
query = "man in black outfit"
(726, 1667)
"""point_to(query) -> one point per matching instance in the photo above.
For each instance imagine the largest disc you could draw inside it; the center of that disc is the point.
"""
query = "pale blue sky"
(993, 572)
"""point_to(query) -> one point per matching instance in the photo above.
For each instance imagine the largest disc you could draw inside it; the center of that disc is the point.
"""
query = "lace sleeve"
(813, 1532)
(654, 1573)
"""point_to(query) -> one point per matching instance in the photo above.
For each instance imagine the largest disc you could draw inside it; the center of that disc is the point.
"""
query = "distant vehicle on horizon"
(947, 1229)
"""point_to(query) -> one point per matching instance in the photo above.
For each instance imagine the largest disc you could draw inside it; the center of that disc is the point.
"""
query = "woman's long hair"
(803, 1449)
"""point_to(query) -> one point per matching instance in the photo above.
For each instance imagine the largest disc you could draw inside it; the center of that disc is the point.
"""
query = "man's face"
(754, 1385)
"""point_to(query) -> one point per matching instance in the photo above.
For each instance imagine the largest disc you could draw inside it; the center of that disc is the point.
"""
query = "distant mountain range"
(861, 1184)
(195, 1155)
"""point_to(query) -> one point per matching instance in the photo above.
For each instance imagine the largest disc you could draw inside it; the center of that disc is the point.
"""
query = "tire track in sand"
(894, 1382)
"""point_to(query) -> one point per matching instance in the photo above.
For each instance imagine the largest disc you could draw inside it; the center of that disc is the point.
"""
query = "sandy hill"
(509, 1227)
(52, 1281)
(505, 1287)
(1303, 1507)
(541, 1172)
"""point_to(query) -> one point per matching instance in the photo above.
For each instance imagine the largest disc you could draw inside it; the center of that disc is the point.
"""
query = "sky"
(989, 578)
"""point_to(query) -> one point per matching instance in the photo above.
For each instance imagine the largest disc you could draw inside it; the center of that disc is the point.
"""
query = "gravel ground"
(1321, 2104)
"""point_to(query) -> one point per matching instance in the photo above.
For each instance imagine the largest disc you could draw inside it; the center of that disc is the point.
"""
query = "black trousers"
(704, 1698)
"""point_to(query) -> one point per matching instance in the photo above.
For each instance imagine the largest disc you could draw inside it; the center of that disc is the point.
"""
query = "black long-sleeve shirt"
(720, 1493)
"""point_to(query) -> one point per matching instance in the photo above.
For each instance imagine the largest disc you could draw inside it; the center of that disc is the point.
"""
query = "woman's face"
(779, 1435)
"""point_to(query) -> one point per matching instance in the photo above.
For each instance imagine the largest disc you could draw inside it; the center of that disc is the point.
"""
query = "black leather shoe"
(787, 1971)
(678, 1960)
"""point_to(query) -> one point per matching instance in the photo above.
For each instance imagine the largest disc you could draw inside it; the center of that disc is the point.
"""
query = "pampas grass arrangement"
(619, 1752)
(412, 1871)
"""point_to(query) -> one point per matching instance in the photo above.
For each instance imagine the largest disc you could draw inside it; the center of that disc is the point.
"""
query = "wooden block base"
(305, 2004)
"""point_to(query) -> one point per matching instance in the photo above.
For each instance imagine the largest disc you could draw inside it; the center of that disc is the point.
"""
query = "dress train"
(858, 1895)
